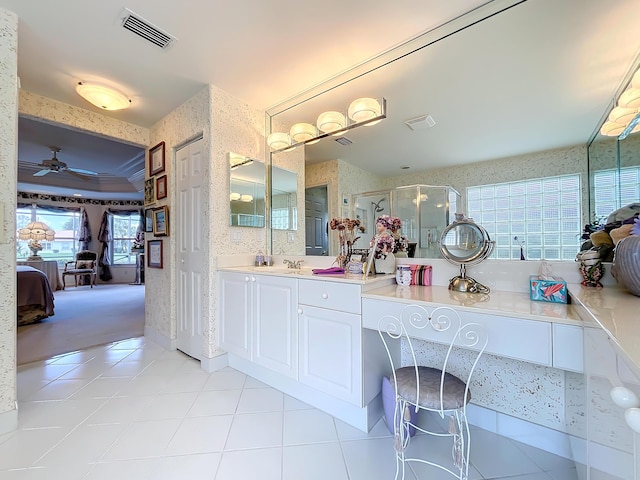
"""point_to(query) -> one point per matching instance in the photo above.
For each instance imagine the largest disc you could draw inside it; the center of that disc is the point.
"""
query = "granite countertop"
(616, 311)
(506, 304)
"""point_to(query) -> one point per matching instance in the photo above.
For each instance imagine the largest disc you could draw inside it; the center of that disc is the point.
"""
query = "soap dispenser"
(259, 259)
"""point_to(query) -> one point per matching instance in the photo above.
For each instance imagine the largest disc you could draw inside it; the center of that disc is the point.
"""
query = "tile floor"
(132, 410)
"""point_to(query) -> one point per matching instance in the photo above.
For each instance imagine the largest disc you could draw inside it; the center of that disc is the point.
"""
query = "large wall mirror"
(490, 97)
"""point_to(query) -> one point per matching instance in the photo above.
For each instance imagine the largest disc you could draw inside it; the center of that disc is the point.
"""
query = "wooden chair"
(432, 388)
(85, 265)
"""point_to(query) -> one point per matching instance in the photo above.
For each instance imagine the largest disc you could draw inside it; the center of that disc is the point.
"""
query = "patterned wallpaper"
(534, 165)
(226, 125)
(8, 174)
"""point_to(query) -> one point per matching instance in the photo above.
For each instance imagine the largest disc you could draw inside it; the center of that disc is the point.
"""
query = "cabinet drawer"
(567, 347)
(334, 295)
(515, 338)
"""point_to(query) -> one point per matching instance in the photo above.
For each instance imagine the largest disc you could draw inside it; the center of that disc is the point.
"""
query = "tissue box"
(554, 290)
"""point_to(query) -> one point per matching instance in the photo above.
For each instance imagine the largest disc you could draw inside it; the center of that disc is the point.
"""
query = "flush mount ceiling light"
(363, 111)
(102, 96)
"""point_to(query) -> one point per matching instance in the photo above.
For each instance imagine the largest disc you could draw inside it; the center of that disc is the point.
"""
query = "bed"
(35, 297)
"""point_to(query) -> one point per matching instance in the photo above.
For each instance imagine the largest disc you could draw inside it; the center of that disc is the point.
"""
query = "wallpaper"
(8, 174)
(534, 165)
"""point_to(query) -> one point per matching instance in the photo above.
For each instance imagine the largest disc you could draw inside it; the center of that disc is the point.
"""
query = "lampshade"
(612, 129)
(363, 109)
(630, 98)
(301, 132)
(331, 122)
(622, 115)
(36, 231)
(234, 196)
(102, 96)
(246, 198)
(278, 140)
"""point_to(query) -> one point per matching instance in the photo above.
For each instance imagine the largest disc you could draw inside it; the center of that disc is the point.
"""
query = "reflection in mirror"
(484, 132)
(246, 191)
(284, 199)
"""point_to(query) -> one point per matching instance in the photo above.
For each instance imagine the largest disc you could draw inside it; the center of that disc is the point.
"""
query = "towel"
(328, 271)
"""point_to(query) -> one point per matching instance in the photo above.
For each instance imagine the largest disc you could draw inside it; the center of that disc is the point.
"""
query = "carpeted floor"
(84, 317)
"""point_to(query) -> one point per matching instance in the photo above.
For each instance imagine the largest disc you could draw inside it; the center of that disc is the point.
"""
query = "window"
(607, 197)
(124, 228)
(66, 224)
(543, 213)
(284, 218)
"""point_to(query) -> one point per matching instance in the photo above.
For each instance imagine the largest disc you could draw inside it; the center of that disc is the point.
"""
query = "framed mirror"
(284, 199)
(247, 191)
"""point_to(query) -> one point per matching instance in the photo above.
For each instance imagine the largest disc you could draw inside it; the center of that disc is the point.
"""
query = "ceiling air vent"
(141, 27)
(343, 141)
(421, 123)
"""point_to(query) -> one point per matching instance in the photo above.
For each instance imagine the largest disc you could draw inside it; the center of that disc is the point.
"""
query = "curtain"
(104, 237)
(84, 235)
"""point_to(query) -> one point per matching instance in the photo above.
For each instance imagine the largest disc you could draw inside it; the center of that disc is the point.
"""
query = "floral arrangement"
(384, 244)
(393, 224)
(348, 230)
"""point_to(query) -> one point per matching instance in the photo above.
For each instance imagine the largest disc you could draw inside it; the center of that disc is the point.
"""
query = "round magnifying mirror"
(465, 243)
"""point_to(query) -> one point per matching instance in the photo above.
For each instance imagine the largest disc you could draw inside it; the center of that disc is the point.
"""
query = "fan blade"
(41, 172)
(81, 171)
(76, 174)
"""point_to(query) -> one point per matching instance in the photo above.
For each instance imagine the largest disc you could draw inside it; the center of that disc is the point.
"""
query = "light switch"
(236, 236)
(291, 237)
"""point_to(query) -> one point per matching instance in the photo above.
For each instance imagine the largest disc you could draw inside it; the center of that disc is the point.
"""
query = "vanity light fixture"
(279, 140)
(362, 111)
(234, 196)
(365, 109)
(236, 160)
(303, 132)
(331, 122)
(625, 117)
(102, 96)
(246, 198)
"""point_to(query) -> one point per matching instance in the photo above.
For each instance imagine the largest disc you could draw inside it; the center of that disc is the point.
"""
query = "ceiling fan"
(56, 166)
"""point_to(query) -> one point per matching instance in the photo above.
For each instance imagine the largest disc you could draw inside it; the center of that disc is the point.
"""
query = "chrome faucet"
(293, 263)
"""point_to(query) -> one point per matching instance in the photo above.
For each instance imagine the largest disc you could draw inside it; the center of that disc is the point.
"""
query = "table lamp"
(34, 232)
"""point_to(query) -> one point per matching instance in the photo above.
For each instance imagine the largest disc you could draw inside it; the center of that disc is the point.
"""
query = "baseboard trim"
(8, 421)
(523, 431)
(159, 338)
(214, 364)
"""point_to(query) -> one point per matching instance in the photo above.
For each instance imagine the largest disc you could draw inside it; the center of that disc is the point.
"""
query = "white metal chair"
(443, 388)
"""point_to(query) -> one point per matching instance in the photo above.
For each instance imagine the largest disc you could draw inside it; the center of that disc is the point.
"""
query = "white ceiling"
(535, 77)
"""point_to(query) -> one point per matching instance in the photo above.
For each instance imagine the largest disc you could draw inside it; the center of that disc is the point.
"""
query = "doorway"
(316, 210)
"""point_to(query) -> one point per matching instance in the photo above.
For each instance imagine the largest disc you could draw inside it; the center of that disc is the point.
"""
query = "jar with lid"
(403, 275)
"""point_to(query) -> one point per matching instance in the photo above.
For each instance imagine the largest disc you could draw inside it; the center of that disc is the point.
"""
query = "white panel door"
(275, 338)
(331, 352)
(191, 249)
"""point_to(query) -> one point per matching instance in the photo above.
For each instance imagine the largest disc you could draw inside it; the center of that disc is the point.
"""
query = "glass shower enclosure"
(425, 210)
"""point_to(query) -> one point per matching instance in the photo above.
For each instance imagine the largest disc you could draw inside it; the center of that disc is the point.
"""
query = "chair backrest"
(462, 344)
(86, 259)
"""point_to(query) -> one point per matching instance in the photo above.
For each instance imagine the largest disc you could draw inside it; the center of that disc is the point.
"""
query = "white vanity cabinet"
(330, 339)
(259, 321)
(612, 410)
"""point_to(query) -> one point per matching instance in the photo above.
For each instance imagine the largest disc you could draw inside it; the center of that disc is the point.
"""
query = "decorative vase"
(386, 265)
(626, 264)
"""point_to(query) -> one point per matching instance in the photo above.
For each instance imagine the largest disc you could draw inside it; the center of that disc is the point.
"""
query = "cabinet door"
(235, 313)
(330, 352)
(275, 328)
